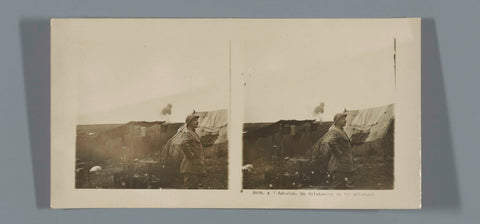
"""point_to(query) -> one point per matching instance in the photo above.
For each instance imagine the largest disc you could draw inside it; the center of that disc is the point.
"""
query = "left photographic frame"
(144, 100)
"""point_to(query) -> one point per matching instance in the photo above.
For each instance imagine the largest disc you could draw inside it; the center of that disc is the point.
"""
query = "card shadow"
(35, 45)
(439, 173)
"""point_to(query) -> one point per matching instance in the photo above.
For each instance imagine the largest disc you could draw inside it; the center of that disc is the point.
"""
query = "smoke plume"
(167, 110)
(319, 109)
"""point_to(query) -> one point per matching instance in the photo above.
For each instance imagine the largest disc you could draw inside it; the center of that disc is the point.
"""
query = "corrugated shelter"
(371, 130)
(133, 139)
(291, 137)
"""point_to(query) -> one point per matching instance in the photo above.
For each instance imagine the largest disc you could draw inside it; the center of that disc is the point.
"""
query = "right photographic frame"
(319, 109)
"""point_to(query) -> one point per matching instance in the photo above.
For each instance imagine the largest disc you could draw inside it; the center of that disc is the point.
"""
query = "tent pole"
(395, 63)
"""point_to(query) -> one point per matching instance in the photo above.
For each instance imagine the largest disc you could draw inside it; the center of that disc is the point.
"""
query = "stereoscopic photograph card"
(236, 113)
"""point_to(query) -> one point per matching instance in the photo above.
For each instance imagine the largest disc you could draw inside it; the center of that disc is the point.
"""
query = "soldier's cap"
(190, 118)
(338, 116)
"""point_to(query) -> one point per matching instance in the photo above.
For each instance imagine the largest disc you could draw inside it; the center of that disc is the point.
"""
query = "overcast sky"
(133, 80)
(287, 78)
(130, 70)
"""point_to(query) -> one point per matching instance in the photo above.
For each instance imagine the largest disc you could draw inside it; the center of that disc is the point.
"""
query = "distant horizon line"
(181, 122)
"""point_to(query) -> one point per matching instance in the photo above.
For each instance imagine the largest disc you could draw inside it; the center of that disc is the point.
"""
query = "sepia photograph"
(320, 114)
(152, 114)
(235, 113)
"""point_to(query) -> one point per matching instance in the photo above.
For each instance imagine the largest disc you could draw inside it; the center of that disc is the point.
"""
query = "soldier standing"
(338, 144)
(193, 163)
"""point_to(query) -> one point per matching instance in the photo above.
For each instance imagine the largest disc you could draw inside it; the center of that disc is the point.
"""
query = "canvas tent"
(212, 129)
(371, 130)
(213, 123)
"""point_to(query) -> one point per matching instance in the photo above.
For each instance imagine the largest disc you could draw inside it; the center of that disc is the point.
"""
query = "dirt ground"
(373, 173)
(146, 173)
(370, 173)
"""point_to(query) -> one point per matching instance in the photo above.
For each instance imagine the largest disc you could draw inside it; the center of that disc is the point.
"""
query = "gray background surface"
(450, 108)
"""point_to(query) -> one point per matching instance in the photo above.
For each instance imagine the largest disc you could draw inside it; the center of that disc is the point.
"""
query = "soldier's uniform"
(193, 163)
(340, 165)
